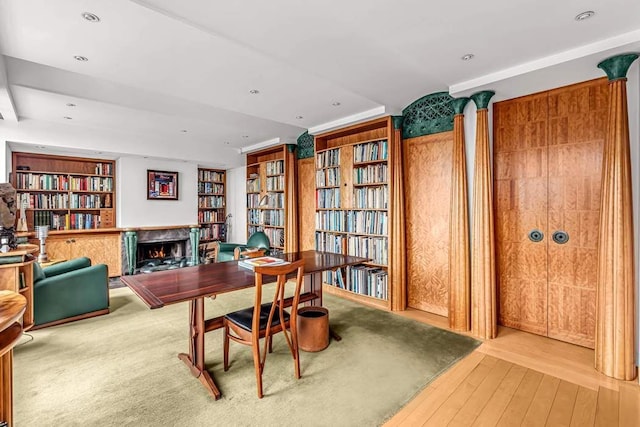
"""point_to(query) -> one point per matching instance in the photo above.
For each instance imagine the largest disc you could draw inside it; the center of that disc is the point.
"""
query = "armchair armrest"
(67, 266)
(228, 247)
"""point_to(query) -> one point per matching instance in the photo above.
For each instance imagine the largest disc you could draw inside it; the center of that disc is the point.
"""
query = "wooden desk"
(12, 308)
(193, 284)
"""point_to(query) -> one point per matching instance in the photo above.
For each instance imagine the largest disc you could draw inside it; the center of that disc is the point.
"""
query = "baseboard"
(72, 319)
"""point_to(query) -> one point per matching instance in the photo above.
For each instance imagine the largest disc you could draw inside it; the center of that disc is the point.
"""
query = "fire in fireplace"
(160, 250)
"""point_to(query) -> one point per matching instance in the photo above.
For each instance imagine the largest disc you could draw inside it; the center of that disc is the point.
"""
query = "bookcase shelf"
(211, 205)
(353, 173)
(66, 193)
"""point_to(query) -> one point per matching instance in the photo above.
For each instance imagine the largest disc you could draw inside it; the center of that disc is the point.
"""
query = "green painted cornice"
(458, 104)
(397, 122)
(481, 99)
(291, 147)
(430, 114)
(305, 145)
(617, 66)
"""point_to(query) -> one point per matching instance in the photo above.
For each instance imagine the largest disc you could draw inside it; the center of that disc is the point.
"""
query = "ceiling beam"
(7, 106)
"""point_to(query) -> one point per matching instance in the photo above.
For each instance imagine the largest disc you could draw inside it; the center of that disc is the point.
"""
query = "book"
(265, 261)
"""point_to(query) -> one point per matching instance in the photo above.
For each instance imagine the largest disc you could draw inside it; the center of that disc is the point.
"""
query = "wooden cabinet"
(212, 205)
(353, 207)
(100, 247)
(66, 193)
(18, 277)
(268, 195)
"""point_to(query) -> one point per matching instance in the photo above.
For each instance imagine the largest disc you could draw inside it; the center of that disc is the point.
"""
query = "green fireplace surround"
(131, 245)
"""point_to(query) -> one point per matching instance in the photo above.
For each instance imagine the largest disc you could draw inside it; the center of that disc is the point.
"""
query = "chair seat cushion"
(244, 317)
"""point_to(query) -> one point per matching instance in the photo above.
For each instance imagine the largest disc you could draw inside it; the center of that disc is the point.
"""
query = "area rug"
(122, 369)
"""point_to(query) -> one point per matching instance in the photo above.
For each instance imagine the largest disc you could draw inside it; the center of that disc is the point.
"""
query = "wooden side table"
(12, 308)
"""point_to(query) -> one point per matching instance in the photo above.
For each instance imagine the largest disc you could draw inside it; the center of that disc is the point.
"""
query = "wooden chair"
(239, 253)
(262, 321)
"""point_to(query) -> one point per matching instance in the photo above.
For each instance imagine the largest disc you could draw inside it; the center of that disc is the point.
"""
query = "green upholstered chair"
(258, 240)
(69, 291)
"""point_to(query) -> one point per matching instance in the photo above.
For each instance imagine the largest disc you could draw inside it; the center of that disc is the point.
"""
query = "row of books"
(34, 181)
(360, 279)
(253, 185)
(210, 188)
(370, 174)
(329, 242)
(272, 217)
(212, 232)
(88, 201)
(44, 201)
(104, 168)
(370, 151)
(211, 201)
(205, 175)
(376, 248)
(275, 167)
(92, 183)
(275, 235)
(371, 197)
(75, 221)
(328, 198)
(210, 216)
(328, 158)
(329, 177)
(275, 183)
(348, 221)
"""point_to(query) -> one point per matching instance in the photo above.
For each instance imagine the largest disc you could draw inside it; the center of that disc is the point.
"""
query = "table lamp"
(42, 231)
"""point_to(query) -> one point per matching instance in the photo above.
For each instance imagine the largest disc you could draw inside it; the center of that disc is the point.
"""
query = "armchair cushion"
(38, 272)
(65, 292)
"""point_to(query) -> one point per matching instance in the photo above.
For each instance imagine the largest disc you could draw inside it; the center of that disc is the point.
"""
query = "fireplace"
(162, 251)
(158, 249)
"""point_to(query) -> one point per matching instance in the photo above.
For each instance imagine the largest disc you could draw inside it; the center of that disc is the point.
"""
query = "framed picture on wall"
(162, 185)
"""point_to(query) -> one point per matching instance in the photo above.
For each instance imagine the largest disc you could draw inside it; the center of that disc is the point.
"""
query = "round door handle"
(536, 235)
(560, 237)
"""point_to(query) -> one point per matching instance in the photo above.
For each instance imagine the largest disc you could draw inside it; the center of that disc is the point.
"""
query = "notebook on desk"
(265, 261)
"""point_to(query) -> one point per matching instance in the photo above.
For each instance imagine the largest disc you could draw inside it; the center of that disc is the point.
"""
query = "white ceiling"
(157, 67)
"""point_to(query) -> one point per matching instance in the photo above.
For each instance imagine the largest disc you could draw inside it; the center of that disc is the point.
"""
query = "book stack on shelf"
(211, 205)
(353, 208)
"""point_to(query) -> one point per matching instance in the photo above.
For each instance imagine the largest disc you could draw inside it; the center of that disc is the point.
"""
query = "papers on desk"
(264, 261)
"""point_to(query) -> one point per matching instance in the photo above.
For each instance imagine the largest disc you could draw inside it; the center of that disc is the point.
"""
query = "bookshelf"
(16, 275)
(66, 193)
(212, 205)
(268, 194)
(353, 209)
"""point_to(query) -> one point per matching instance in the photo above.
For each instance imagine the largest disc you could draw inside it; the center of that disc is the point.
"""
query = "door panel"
(577, 125)
(520, 162)
(427, 167)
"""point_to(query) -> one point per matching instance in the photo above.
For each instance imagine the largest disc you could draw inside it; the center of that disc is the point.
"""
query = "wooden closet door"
(577, 125)
(520, 186)
(427, 167)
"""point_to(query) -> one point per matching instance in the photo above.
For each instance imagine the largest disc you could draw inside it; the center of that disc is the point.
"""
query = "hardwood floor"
(521, 379)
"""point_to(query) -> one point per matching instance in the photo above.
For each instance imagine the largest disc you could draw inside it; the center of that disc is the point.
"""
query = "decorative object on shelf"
(162, 185)
(22, 221)
(42, 231)
(8, 207)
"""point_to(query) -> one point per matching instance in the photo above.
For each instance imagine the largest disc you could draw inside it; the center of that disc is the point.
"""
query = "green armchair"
(69, 291)
(258, 240)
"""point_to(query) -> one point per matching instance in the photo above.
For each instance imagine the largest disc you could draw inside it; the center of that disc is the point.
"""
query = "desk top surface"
(184, 284)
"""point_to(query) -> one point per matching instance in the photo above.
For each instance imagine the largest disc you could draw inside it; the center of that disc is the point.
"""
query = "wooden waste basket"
(313, 328)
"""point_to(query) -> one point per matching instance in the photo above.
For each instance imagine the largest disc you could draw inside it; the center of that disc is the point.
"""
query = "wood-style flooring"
(521, 379)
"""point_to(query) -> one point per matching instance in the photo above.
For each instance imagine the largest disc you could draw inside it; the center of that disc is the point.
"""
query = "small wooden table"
(12, 308)
(193, 284)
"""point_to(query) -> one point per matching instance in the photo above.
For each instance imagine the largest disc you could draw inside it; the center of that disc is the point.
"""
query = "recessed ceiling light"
(584, 15)
(42, 147)
(467, 57)
(91, 17)
(245, 136)
(226, 142)
(98, 152)
(71, 104)
(254, 91)
(336, 104)
(81, 58)
(183, 130)
(67, 117)
(299, 117)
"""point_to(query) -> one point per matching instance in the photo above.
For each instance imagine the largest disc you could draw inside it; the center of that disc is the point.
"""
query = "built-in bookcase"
(353, 208)
(267, 195)
(65, 193)
(212, 204)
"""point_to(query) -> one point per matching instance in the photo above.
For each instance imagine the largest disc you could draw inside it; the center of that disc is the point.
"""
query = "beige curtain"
(615, 315)
(459, 282)
(483, 274)
(291, 188)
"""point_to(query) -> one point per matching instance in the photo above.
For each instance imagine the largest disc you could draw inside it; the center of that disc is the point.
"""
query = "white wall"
(237, 204)
(134, 210)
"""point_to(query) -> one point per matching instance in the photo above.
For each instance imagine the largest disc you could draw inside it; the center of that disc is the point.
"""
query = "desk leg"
(313, 283)
(195, 359)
